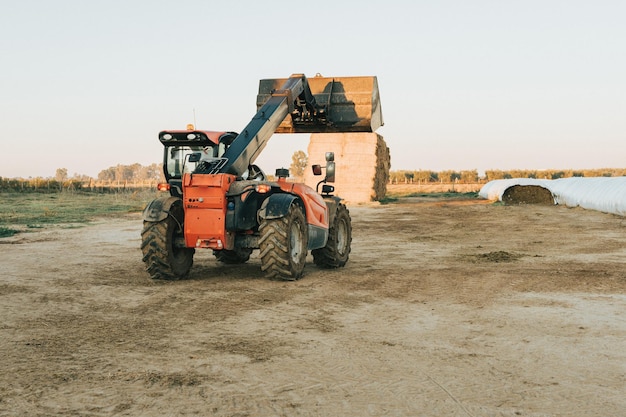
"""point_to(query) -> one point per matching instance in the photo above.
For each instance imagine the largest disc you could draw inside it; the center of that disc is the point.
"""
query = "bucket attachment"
(351, 104)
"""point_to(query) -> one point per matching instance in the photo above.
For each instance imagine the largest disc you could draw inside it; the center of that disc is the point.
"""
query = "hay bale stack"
(362, 161)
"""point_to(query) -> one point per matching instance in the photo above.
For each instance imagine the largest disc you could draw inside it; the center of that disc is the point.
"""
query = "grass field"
(36, 210)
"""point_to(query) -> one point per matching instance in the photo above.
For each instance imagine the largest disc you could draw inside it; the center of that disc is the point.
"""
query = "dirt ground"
(446, 308)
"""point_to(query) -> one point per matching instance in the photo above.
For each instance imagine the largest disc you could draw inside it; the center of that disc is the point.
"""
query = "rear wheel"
(283, 245)
(233, 257)
(337, 250)
(165, 259)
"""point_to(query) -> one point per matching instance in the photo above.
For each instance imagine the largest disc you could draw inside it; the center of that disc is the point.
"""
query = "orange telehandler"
(218, 199)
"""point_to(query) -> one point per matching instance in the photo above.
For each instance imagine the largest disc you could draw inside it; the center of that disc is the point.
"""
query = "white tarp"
(494, 190)
(606, 194)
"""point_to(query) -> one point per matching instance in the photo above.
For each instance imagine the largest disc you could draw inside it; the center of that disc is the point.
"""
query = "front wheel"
(337, 250)
(163, 258)
(283, 245)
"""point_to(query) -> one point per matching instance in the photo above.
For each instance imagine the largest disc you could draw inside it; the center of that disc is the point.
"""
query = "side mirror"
(330, 171)
(317, 169)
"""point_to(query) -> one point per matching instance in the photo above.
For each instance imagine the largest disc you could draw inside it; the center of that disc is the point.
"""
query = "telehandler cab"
(218, 199)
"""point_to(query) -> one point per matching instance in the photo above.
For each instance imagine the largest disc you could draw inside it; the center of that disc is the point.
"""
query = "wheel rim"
(342, 237)
(178, 253)
(295, 242)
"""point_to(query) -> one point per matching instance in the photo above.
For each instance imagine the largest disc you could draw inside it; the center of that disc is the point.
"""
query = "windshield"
(177, 158)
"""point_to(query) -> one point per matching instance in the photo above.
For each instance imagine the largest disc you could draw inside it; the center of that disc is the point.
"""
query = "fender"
(332, 203)
(276, 206)
(158, 209)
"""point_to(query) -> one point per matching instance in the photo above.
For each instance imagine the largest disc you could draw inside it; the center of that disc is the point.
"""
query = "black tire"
(283, 245)
(337, 250)
(233, 257)
(163, 259)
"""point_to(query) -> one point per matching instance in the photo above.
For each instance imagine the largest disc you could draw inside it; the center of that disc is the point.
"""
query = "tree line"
(137, 175)
(425, 176)
(118, 174)
(472, 176)
(116, 177)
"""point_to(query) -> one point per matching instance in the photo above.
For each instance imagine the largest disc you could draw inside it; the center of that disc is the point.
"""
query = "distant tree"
(469, 177)
(299, 161)
(80, 177)
(518, 173)
(423, 176)
(492, 174)
(127, 173)
(153, 172)
(107, 175)
(449, 176)
(61, 175)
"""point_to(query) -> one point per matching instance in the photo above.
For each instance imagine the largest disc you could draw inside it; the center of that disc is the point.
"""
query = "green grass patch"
(35, 210)
(388, 200)
(7, 231)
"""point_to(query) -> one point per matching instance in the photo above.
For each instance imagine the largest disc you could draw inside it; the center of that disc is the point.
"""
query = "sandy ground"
(446, 308)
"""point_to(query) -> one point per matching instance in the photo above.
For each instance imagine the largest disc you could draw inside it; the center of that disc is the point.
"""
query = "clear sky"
(533, 84)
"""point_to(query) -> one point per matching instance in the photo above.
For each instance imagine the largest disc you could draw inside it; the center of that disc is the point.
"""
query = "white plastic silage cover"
(494, 190)
(606, 194)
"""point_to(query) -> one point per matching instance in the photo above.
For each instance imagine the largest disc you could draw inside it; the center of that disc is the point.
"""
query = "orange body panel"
(315, 207)
(204, 198)
(205, 204)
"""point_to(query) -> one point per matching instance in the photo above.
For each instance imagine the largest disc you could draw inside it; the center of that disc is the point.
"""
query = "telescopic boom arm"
(294, 96)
